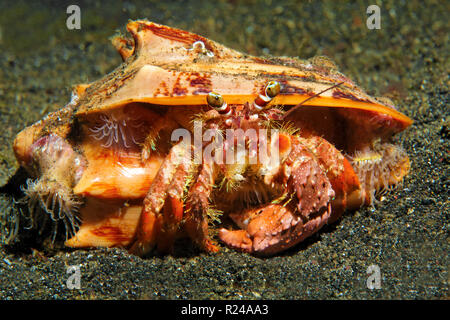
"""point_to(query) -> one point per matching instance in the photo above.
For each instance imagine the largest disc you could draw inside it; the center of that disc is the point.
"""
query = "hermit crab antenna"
(270, 91)
(312, 97)
(216, 101)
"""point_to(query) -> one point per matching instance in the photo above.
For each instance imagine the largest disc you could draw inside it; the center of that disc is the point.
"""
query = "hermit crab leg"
(197, 207)
(157, 228)
(340, 173)
(174, 206)
(149, 145)
(306, 209)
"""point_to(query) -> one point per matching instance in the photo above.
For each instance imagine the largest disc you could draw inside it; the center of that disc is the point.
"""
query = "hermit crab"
(188, 138)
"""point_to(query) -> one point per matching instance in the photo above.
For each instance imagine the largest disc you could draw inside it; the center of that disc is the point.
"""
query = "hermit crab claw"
(271, 229)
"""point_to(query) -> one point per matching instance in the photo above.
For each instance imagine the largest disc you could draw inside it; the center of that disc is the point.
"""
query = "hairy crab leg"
(198, 207)
(157, 228)
(343, 178)
(276, 227)
(158, 126)
(173, 207)
(324, 184)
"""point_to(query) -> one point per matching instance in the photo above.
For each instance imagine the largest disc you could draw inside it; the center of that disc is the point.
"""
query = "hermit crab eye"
(215, 100)
(272, 89)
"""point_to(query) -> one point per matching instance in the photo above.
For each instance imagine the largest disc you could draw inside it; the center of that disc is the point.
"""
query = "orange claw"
(237, 239)
(271, 229)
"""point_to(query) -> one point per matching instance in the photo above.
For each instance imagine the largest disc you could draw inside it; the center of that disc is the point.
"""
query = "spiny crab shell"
(107, 160)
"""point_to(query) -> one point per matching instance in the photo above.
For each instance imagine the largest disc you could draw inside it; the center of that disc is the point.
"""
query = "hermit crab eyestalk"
(215, 101)
(271, 90)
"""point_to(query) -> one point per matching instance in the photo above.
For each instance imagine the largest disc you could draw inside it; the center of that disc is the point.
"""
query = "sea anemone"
(379, 168)
(49, 199)
(118, 131)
